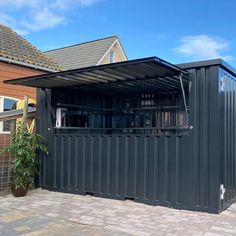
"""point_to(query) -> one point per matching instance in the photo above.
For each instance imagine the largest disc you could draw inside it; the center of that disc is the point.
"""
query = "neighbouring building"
(93, 53)
(18, 58)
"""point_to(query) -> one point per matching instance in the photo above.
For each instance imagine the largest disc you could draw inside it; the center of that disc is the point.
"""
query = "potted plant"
(24, 164)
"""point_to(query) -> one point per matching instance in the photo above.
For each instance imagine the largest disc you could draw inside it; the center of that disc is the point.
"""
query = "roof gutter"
(11, 61)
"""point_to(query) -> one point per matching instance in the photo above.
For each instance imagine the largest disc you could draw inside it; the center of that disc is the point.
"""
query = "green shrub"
(23, 148)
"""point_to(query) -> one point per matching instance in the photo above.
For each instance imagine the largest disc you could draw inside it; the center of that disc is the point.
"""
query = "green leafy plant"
(23, 148)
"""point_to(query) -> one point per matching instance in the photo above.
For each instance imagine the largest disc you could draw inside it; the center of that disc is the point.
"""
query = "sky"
(176, 31)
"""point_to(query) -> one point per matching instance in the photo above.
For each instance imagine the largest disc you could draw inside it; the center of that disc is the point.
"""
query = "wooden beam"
(18, 113)
(25, 111)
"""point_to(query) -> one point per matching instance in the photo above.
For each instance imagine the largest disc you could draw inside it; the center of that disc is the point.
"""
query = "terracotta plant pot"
(18, 192)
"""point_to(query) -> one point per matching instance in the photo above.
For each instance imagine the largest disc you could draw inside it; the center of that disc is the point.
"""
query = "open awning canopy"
(149, 74)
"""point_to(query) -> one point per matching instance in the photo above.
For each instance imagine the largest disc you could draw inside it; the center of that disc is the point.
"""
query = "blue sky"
(177, 31)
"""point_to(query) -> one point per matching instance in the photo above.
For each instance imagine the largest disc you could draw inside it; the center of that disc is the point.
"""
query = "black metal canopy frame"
(147, 75)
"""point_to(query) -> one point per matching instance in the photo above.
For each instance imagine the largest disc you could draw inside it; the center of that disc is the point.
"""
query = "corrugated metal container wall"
(179, 170)
(204, 149)
(227, 89)
(146, 168)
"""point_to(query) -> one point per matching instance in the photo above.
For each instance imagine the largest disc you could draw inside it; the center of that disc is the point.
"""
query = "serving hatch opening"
(146, 95)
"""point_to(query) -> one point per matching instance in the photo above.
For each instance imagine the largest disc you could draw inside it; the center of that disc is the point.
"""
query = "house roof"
(140, 75)
(15, 49)
(83, 54)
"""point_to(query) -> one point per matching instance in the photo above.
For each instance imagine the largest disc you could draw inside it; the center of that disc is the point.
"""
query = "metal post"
(184, 98)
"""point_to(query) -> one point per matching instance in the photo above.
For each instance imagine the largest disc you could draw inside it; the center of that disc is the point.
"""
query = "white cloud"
(201, 47)
(43, 19)
(36, 15)
(19, 3)
(21, 32)
(60, 4)
(63, 5)
(87, 2)
(7, 20)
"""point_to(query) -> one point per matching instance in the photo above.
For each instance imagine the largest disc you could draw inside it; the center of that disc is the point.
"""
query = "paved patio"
(50, 213)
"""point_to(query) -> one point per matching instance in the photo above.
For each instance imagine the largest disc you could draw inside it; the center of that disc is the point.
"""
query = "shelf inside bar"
(128, 128)
(120, 109)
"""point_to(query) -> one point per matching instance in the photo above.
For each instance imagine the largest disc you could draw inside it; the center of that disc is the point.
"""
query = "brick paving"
(51, 213)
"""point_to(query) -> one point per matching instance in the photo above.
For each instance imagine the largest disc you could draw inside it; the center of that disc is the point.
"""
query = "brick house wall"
(12, 71)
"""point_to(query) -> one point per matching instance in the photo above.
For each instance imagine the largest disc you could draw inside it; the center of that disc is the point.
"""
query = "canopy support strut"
(49, 104)
(184, 97)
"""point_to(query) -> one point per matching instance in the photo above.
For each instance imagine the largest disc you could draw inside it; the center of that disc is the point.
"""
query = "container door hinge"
(222, 192)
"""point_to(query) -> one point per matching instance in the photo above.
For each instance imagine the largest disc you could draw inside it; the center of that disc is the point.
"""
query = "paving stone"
(12, 216)
(53, 213)
(224, 229)
(22, 228)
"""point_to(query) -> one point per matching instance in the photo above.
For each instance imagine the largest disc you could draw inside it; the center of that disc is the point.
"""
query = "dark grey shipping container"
(193, 169)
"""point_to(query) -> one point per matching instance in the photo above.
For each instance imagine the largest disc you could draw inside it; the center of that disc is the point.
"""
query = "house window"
(112, 56)
(6, 104)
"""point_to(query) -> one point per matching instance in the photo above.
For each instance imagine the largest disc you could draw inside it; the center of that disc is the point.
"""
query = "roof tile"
(14, 47)
(83, 54)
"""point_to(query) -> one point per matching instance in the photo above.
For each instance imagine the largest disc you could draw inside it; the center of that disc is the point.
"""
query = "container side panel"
(149, 175)
(202, 167)
(227, 90)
